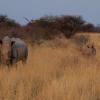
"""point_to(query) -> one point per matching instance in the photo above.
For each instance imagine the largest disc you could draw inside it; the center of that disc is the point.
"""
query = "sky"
(33, 9)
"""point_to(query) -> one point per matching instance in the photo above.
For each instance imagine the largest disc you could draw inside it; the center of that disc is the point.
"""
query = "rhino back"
(18, 41)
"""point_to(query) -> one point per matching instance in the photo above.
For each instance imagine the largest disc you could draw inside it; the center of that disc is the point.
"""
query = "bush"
(81, 40)
(5, 21)
(68, 25)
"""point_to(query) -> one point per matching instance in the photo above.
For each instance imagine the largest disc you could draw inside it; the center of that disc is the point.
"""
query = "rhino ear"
(12, 43)
(0, 42)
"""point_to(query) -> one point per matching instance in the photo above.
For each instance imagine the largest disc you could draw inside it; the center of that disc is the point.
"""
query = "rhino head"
(5, 50)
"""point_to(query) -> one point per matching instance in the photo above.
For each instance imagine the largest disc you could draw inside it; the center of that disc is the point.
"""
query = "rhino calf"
(88, 50)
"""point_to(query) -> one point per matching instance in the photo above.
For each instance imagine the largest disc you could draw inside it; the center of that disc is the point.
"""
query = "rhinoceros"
(5, 48)
(13, 50)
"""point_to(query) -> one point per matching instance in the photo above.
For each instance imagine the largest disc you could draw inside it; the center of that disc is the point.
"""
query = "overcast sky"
(32, 9)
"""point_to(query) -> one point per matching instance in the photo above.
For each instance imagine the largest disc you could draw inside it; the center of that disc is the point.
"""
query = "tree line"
(47, 27)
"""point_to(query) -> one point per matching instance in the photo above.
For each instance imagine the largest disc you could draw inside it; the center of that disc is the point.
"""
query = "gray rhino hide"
(19, 51)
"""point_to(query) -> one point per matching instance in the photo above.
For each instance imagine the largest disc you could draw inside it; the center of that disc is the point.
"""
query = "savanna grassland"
(56, 70)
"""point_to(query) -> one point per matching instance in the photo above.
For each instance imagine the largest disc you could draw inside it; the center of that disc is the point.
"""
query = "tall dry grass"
(55, 70)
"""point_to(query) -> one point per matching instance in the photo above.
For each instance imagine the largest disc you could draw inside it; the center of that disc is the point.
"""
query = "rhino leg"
(14, 56)
(24, 60)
